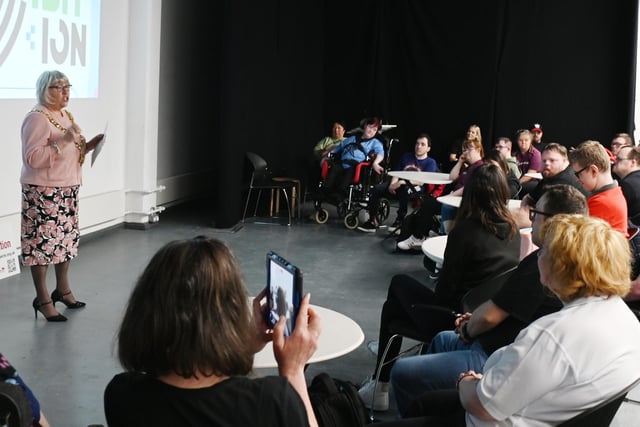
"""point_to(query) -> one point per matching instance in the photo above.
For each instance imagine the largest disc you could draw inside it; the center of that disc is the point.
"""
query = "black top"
(139, 400)
(565, 177)
(472, 255)
(525, 299)
(631, 189)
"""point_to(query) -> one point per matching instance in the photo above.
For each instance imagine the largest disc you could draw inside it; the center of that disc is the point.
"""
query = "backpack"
(336, 403)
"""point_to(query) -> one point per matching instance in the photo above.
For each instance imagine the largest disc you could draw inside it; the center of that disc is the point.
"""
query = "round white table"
(456, 200)
(340, 335)
(434, 248)
(422, 177)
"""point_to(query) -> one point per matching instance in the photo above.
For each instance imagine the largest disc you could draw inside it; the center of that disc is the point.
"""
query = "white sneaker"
(381, 399)
(411, 243)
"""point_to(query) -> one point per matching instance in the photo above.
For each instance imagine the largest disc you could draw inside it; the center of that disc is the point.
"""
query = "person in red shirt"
(592, 166)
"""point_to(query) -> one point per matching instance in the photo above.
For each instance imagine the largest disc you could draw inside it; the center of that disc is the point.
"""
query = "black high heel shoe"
(36, 307)
(57, 296)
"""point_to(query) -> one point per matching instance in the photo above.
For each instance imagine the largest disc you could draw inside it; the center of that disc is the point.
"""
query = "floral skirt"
(49, 226)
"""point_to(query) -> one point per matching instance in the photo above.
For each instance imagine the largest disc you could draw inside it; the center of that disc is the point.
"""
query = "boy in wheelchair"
(352, 151)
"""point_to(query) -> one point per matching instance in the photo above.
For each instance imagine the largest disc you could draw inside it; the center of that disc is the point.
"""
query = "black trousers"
(403, 305)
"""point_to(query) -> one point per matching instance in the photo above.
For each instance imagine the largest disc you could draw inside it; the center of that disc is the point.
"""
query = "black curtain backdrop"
(284, 70)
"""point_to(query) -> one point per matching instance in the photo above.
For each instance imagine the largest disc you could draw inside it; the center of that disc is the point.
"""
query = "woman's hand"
(293, 352)
(264, 334)
(91, 145)
(72, 134)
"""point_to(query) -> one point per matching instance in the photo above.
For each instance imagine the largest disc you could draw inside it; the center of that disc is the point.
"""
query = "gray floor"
(69, 364)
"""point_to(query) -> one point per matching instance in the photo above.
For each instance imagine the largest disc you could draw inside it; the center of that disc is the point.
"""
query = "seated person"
(554, 370)
(496, 157)
(325, 145)
(504, 146)
(529, 161)
(620, 140)
(8, 374)
(536, 134)
(351, 151)
(592, 166)
(470, 160)
(483, 242)
(627, 167)
(187, 342)
(419, 160)
(556, 169)
(492, 325)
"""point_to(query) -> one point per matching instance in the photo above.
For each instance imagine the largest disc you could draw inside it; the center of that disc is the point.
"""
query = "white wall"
(120, 186)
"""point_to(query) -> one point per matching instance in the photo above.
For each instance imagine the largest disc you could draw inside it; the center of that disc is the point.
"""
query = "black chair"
(602, 414)
(440, 319)
(447, 403)
(261, 179)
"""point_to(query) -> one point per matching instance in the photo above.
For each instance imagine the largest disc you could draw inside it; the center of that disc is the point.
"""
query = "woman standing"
(53, 151)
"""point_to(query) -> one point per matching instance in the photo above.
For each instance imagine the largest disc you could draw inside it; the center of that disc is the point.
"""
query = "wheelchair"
(358, 195)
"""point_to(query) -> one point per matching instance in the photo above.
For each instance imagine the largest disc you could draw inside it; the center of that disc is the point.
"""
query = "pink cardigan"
(41, 165)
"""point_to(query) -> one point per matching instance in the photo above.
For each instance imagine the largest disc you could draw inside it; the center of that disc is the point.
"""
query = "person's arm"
(524, 178)
(293, 353)
(484, 318)
(455, 171)
(43, 420)
(467, 384)
(376, 163)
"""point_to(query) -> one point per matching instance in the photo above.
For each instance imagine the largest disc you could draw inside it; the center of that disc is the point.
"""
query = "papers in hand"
(99, 146)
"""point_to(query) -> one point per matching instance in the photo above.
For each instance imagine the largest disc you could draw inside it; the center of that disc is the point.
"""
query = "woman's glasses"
(61, 88)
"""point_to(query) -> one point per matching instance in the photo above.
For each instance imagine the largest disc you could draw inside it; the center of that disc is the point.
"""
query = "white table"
(434, 248)
(340, 335)
(456, 200)
(422, 177)
(534, 175)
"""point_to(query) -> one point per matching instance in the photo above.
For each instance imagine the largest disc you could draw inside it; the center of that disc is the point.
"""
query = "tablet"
(284, 291)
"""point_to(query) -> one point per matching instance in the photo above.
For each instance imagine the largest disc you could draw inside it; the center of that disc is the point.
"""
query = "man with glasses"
(503, 146)
(493, 324)
(592, 167)
(555, 170)
(620, 140)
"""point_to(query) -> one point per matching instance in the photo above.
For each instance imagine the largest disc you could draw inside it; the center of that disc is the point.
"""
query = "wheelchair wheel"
(383, 211)
(321, 216)
(351, 220)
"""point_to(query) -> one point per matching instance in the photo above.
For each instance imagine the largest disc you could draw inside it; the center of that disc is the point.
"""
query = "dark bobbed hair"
(485, 197)
(189, 314)
(495, 156)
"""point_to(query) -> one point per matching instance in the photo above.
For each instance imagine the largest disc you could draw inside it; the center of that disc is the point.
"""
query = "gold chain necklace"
(79, 145)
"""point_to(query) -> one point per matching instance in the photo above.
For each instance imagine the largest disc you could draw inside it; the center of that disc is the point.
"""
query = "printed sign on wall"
(9, 264)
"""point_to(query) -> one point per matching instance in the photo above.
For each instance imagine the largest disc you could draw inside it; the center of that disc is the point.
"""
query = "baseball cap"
(536, 128)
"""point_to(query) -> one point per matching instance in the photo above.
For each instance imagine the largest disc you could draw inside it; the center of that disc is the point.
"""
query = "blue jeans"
(446, 357)
(447, 213)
